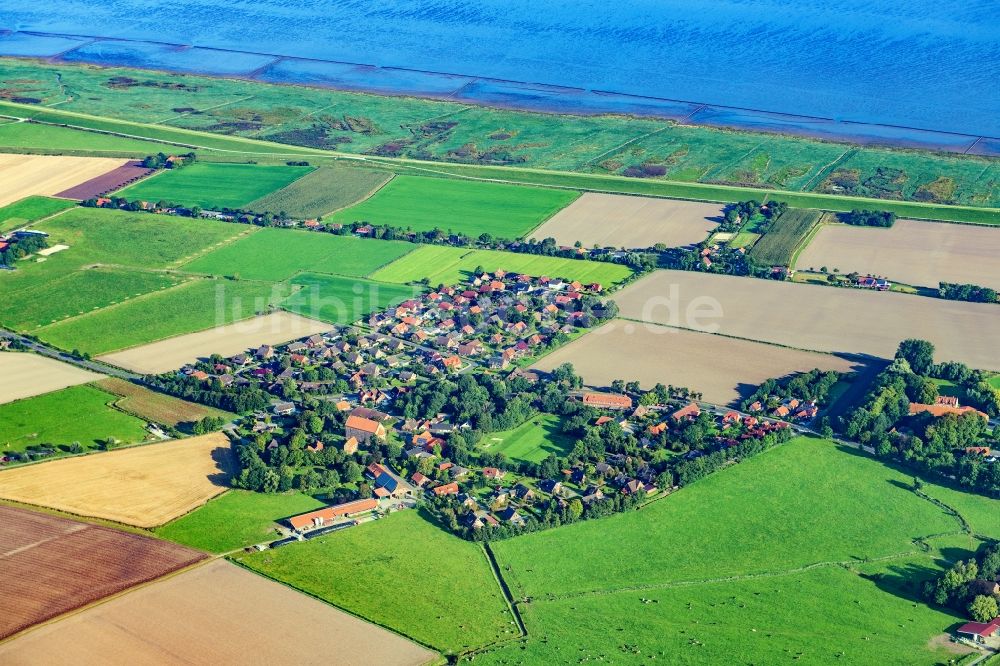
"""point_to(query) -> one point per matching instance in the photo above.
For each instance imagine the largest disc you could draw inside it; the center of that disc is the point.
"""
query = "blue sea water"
(929, 64)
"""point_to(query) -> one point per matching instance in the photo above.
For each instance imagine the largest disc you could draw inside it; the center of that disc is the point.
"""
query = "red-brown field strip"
(109, 182)
(52, 565)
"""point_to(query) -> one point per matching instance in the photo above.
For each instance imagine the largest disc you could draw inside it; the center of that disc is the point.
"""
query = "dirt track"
(227, 340)
(24, 175)
(722, 369)
(215, 614)
(143, 486)
(615, 220)
(917, 253)
(814, 317)
(51, 565)
(23, 375)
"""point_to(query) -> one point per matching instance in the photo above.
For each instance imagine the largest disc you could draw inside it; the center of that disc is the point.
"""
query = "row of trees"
(967, 292)
(869, 218)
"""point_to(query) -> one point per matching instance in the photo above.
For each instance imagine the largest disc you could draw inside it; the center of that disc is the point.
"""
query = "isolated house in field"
(980, 632)
(363, 429)
(607, 400)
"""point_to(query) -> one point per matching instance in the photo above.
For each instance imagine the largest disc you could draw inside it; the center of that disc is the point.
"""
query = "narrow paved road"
(52, 352)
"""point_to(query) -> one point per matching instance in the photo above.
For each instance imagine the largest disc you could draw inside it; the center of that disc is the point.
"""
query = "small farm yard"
(455, 602)
(459, 206)
(235, 520)
(214, 184)
(30, 209)
(533, 441)
(157, 407)
(342, 300)
(451, 265)
(778, 246)
(278, 254)
(323, 191)
(81, 414)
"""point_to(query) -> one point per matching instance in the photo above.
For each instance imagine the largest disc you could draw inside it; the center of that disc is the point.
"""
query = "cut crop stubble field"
(52, 565)
(815, 317)
(26, 175)
(723, 369)
(915, 253)
(144, 486)
(23, 375)
(217, 613)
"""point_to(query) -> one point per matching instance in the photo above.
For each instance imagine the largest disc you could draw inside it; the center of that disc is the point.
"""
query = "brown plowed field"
(722, 369)
(51, 565)
(24, 175)
(111, 181)
(214, 614)
(827, 319)
(616, 220)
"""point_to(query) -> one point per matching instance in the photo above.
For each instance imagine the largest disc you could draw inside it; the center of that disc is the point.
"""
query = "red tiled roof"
(607, 400)
(363, 424)
(329, 513)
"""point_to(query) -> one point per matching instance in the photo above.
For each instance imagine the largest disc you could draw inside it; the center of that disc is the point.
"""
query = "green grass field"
(466, 207)
(995, 382)
(451, 265)
(278, 254)
(326, 189)
(813, 501)
(981, 512)
(235, 520)
(33, 137)
(342, 300)
(401, 572)
(533, 440)
(30, 209)
(779, 245)
(76, 414)
(214, 185)
(190, 307)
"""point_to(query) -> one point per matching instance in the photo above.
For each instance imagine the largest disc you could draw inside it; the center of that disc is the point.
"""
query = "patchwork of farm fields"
(216, 613)
(462, 207)
(915, 253)
(24, 375)
(814, 317)
(144, 486)
(30, 209)
(460, 605)
(28, 175)
(81, 414)
(225, 339)
(451, 265)
(214, 184)
(322, 191)
(52, 565)
(723, 369)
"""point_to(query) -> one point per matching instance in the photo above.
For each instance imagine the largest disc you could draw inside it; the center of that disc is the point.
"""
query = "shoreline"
(499, 93)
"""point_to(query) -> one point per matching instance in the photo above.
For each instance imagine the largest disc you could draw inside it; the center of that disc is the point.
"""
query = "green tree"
(983, 608)
(919, 354)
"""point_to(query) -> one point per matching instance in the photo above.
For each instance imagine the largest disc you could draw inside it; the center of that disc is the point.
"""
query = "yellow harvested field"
(722, 369)
(227, 340)
(828, 319)
(217, 613)
(917, 253)
(23, 375)
(617, 220)
(25, 175)
(144, 486)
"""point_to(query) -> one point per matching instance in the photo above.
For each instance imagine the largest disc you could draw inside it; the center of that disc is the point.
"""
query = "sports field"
(778, 246)
(323, 191)
(30, 209)
(451, 265)
(195, 306)
(614, 220)
(52, 565)
(214, 185)
(226, 339)
(915, 253)
(342, 300)
(27, 175)
(278, 254)
(23, 375)
(724, 370)
(533, 441)
(237, 519)
(80, 414)
(463, 207)
(456, 602)
(156, 407)
(815, 317)
(217, 613)
(144, 486)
